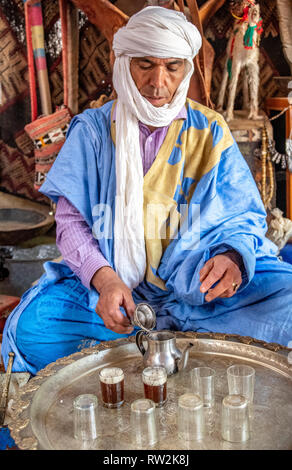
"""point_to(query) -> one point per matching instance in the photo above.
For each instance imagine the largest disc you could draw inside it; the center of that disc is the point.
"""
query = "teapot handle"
(139, 341)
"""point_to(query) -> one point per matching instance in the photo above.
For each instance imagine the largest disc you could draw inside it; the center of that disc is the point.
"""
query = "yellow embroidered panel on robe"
(191, 149)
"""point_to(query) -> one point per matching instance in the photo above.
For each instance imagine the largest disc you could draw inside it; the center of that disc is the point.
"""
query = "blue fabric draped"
(57, 316)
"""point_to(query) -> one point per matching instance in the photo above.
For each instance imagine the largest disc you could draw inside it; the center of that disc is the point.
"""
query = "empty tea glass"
(235, 419)
(85, 417)
(191, 424)
(202, 380)
(144, 423)
(241, 380)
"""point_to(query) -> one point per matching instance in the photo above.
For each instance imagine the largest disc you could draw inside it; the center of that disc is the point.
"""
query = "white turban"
(152, 32)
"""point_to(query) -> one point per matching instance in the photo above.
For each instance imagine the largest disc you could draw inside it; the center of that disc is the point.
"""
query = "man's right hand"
(113, 294)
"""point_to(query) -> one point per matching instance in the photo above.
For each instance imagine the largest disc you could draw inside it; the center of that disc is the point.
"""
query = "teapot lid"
(144, 317)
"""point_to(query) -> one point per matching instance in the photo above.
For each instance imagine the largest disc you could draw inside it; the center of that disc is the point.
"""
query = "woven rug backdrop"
(16, 150)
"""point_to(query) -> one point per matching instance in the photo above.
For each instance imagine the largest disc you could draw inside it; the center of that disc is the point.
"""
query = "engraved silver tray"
(42, 415)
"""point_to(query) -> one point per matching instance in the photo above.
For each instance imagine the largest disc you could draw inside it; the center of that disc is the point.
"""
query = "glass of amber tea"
(155, 384)
(112, 386)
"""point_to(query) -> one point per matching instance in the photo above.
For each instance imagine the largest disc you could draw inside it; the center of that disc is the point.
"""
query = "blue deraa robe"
(199, 166)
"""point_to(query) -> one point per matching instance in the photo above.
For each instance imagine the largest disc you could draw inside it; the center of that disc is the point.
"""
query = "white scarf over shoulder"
(152, 32)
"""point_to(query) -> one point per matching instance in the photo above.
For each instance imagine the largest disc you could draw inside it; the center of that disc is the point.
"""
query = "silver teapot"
(161, 345)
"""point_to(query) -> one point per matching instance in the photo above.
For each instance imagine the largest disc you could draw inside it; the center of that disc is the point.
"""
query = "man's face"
(157, 79)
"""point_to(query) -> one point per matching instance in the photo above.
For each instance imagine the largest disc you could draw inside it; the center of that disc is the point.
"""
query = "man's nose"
(157, 77)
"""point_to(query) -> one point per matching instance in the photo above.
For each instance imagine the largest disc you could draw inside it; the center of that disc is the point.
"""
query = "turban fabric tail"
(153, 32)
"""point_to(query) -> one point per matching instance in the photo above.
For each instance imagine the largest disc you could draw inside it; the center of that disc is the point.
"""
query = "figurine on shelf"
(279, 228)
(243, 53)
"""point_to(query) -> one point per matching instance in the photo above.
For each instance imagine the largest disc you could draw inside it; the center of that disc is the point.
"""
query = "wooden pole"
(38, 45)
(73, 57)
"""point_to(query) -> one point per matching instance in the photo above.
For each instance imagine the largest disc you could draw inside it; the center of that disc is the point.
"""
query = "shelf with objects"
(252, 61)
(279, 110)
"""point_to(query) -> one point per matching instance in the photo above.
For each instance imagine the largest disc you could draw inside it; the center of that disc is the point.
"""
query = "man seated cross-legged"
(156, 204)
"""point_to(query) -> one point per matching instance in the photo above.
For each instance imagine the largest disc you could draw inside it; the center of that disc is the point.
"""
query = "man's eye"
(145, 67)
(172, 68)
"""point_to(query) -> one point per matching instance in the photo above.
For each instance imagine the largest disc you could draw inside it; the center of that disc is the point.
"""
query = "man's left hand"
(224, 269)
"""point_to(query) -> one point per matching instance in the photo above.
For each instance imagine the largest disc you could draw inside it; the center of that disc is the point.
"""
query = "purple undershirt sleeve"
(74, 239)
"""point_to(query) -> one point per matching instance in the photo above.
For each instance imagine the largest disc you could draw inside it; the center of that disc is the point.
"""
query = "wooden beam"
(104, 15)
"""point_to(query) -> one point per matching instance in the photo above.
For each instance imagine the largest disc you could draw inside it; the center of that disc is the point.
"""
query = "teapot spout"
(182, 362)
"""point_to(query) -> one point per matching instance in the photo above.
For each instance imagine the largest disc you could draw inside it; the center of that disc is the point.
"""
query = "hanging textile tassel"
(229, 67)
(248, 37)
(229, 62)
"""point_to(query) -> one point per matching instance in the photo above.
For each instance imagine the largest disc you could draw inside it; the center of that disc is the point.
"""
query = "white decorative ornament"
(242, 54)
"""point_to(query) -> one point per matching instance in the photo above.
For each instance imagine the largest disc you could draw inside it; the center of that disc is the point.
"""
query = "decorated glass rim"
(203, 372)
(154, 376)
(85, 401)
(143, 405)
(190, 401)
(144, 317)
(235, 401)
(241, 370)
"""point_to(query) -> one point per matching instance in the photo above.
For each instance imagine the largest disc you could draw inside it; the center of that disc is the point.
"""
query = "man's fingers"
(231, 291)
(117, 323)
(129, 306)
(206, 269)
(122, 330)
(114, 319)
(223, 289)
(213, 276)
(118, 328)
(223, 274)
(220, 289)
(112, 297)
